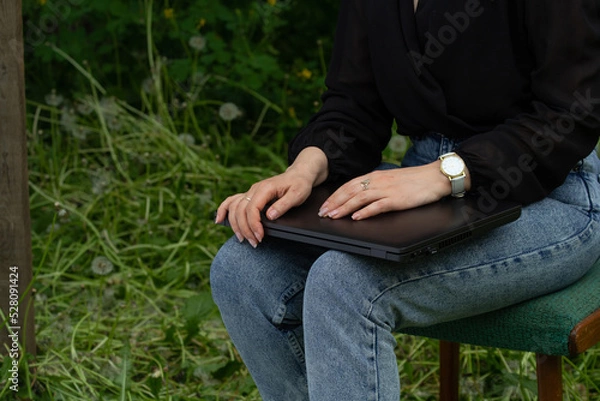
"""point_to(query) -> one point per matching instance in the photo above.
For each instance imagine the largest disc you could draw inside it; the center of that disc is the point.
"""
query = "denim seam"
(279, 313)
(296, 347)
(581, 237)
(592, 205)
(374, 371)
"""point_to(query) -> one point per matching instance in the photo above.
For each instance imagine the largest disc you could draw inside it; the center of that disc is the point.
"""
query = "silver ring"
(365, 184)
(247, 198)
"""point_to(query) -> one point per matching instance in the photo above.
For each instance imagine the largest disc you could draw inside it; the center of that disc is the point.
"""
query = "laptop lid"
(397, 235)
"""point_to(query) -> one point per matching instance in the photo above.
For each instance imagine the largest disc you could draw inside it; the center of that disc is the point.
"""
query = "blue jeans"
(313, 324)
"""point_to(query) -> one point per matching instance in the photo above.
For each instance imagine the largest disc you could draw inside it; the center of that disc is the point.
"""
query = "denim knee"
(223, 284)
(340, 283)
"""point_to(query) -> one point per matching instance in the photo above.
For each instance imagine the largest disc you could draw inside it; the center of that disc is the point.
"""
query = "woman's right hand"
(290, 189)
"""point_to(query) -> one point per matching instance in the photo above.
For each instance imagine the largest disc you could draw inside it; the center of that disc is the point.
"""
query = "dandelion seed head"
(113, 123)
(198, 78)
(229, 111)
(176, 104)
(102, 266)
(80, 133)
(472, 386)
(68, 119)
(398, 144)
(197, 42)
(52, 228)
(187, 139)
(100, 183)
(206, 196)
(109, 106)
(83, 108)
(53, 99)
(148, 86)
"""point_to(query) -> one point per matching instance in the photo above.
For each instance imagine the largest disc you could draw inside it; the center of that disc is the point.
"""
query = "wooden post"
(15, 235)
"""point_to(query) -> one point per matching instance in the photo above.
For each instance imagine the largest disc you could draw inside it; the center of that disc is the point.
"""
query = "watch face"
(453, 165)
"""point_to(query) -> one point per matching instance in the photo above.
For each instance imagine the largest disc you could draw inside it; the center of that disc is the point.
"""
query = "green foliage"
(200, 46)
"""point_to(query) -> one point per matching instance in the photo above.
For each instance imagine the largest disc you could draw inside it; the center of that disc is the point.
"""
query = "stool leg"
(449, 370)
(549, 376)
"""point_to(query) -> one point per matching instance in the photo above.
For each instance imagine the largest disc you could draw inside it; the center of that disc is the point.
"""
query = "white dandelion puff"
(113, 123)
(187, 139)
(148, 86)
(199, 78)
(102, 266)
(80, 133)
(109, 106)
(197, 42)
(100, 183)
(53, 99)
(206, 196)
(68, 119)
(398, 144)
(229, 111)
(84, 108)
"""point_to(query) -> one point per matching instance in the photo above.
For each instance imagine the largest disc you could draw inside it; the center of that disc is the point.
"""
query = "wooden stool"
(564, 323)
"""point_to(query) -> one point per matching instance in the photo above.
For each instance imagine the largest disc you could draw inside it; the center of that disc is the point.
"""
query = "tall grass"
(122, 204)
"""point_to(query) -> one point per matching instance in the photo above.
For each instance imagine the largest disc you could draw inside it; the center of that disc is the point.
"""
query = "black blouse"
(517, 81)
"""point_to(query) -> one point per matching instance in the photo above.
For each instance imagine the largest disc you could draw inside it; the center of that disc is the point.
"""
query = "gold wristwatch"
(453, 167)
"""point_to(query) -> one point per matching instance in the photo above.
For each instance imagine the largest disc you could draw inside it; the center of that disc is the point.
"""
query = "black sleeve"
(353, 125)
(528, 156)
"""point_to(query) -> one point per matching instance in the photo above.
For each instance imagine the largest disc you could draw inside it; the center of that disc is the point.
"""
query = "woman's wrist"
(442, 183)
(312, 163)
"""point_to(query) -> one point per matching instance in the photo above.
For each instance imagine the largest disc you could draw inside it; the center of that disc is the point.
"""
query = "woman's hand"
(290, 188)
(386, 190)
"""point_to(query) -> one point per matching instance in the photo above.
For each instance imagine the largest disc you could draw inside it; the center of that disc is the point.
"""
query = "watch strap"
(458, 186)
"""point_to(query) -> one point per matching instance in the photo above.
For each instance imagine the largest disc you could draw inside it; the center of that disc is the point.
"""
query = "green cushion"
(541, 325)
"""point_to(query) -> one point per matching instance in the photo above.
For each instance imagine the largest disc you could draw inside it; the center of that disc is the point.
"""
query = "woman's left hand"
(383, 191)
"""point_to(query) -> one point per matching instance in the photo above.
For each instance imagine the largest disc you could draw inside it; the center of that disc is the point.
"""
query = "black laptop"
(396, 236)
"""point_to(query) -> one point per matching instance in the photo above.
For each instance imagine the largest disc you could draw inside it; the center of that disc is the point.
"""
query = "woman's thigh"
(269, 278)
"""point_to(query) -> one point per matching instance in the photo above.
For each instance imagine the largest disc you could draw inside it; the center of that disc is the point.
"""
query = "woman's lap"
(285, 298)
(551, 245)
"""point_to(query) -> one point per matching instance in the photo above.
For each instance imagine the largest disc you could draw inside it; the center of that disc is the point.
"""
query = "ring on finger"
(365, 184)
(248, 198)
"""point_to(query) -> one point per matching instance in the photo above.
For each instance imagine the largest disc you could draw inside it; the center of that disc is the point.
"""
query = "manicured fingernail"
(253, 243)
(258, 237)
(272, 214)
(333, 214)
(356, 216)
(239, 237)
(323, 211)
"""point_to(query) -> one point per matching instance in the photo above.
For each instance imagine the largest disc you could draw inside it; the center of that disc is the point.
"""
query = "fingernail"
(258, 237)
(356, 216)
(333, 214)
(239, 237)
(253, 243)
(323, 212)
(272, 214)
